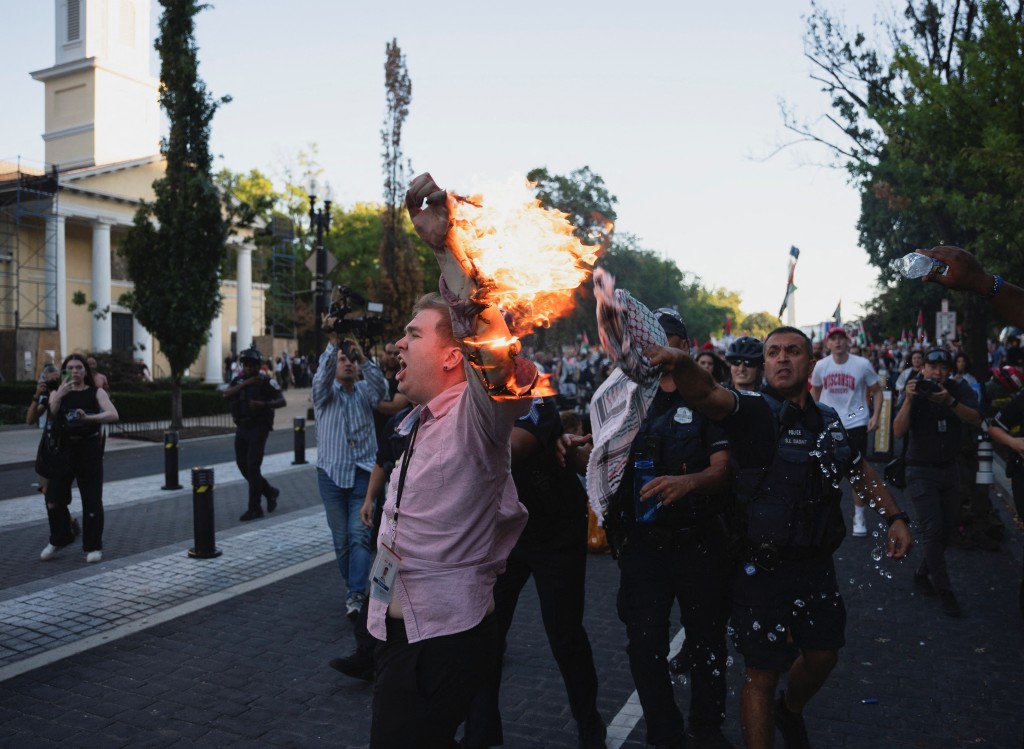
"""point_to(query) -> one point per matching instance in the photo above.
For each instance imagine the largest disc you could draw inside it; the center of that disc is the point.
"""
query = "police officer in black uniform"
(788, 454)
(673, 546)
(254, 395)
(933, 410)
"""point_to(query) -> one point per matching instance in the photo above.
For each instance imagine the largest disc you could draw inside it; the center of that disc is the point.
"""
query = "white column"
(102, 333)
(244, 276)
(62, 284)
(214, 357)
(143, 341)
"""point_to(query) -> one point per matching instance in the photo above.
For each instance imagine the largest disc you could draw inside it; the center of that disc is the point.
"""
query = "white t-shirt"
(844, 387)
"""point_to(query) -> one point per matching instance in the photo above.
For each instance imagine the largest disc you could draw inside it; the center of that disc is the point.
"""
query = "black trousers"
(85, 457)
(692, 569)
(558, 564)
(250, 445)
(422, 690)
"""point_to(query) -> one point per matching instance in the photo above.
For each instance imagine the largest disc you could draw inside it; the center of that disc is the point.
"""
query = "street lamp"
(320, 220)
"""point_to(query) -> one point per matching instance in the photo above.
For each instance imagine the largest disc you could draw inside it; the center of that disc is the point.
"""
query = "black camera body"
(363, 327)
(927, 386)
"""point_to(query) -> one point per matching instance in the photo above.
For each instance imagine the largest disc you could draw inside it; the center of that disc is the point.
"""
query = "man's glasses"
(744, 363)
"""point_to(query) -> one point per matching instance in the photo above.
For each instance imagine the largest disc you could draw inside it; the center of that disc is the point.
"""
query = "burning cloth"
(620, 405)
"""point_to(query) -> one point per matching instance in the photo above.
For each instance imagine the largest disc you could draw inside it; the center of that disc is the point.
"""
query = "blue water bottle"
(643, 473)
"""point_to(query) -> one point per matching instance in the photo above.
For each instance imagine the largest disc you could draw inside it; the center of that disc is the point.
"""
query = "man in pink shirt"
(451, 516)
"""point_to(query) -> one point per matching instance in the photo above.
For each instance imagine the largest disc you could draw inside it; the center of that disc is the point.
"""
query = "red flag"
(728, 325)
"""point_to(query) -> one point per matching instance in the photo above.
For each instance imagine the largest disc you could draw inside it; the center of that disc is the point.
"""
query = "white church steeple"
(102, 103)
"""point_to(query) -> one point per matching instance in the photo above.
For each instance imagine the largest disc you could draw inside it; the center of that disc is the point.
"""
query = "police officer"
(787, 614)
(933, 411)
(673, 546)
(254, 395)
(746, 363)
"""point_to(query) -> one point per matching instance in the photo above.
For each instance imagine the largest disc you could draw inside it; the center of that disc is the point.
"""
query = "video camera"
(366, 327)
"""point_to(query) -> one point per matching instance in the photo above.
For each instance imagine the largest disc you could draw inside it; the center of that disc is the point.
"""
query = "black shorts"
(859, 439)
(796, 607)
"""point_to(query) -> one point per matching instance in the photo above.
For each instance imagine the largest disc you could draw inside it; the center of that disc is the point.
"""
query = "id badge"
(942, 426)
(383, 573)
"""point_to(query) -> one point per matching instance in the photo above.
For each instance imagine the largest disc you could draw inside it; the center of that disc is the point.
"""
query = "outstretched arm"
(695, 385)
(966, 274)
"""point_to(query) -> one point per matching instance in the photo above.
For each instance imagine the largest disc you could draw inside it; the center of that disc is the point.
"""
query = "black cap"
(671, 322)
(251, 354)
(938, 356)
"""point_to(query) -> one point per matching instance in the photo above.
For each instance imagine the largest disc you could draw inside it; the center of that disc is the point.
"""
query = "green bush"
(149, 404)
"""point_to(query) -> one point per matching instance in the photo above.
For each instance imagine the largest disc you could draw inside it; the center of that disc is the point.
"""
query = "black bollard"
(202, 515)
(310, 414)
(299, 425)
(171, 461)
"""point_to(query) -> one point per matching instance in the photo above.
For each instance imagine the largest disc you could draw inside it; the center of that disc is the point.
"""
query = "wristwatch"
(898, 516)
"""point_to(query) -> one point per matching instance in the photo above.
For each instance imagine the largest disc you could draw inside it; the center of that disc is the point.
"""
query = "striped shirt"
(345, 434)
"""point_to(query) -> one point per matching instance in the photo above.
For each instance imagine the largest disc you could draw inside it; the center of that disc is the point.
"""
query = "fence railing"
(127, 428)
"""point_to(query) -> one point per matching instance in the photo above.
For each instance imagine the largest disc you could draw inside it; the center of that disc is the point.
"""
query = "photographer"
(346, 448)
(49, 381)
(933, 411)
(254, 395)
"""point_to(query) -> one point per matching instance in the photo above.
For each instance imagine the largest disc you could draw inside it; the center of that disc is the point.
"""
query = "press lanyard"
(401, 477)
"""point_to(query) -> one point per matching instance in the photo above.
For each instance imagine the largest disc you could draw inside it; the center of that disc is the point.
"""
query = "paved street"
(153, 649)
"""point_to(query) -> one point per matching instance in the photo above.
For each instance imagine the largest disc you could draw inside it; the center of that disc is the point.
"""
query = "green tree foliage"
(400, 281)
(175, 247)
(582, 194)
(928, 123)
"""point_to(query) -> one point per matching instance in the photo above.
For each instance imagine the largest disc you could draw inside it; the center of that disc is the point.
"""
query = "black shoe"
(924, 584)
(707, 737)
(950, 606)
(358, 665)
(252, 514)
(593, 737)
(790, 725)
(272, 499)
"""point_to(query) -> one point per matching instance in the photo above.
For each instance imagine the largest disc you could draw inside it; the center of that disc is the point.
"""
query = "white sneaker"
(48, 552)
(94, 556)
(860, 528)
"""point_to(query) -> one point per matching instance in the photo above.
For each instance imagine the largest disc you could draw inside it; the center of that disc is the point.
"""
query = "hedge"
(148, 405)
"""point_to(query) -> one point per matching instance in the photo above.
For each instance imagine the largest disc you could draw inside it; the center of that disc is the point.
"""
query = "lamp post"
(320, 220)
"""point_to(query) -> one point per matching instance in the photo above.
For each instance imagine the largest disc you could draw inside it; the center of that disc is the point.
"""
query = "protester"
(254, 395)
(916, 364)
(346, 445)
(713, 363)
(78, 409)
(932, 412)
(843, 381)
(431, 586)
(746, 363)
(1005, 429)
(553, 550)
(787, 614)
(38, 409)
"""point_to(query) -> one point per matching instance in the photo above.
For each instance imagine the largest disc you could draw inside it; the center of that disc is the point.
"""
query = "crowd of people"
(451, 472)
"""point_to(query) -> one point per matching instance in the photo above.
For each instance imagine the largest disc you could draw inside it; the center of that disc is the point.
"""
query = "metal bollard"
(202, 515)
(299, 425)
(171, 461)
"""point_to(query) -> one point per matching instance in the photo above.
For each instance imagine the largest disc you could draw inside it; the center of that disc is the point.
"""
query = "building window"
(121, 332)
(74, 21)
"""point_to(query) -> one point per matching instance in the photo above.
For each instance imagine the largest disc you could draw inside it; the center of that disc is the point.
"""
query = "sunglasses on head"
(744, 362)
(937, 357)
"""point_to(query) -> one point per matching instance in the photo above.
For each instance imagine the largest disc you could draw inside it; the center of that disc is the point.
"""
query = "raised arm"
(966, 274)
(695, 385)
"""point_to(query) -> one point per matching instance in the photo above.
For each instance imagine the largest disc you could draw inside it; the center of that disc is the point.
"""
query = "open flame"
(526, 257)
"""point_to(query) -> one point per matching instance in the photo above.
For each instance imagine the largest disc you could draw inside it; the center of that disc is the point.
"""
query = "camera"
(926, 386)
(364, 327)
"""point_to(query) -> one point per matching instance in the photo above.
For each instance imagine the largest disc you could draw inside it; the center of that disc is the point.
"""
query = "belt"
(84, 437)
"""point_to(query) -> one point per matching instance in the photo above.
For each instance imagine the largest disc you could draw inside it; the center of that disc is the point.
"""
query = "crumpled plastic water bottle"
(916, 265)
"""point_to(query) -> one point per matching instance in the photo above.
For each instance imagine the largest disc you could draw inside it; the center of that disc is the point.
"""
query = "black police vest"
(673, 436)
(243, 414)
(794, 502)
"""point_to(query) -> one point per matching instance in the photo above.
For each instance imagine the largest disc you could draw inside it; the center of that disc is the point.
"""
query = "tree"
(582, 194)
(929, 127)
(175, 248)
(401, 274)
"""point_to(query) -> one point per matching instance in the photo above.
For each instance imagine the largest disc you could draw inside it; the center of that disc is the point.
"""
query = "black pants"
(693, 569)
(558, 564)
(422, 690)
(85, 457)
(935, 493)
(250, 444)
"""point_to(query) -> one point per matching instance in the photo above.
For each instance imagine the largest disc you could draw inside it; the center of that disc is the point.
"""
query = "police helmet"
(746, 348)
(251, 354)
(1010, 378)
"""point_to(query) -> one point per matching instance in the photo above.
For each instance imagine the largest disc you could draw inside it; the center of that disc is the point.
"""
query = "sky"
(674, 104)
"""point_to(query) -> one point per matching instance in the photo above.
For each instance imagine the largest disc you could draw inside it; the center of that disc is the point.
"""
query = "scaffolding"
(28, 247)
(281, 309)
